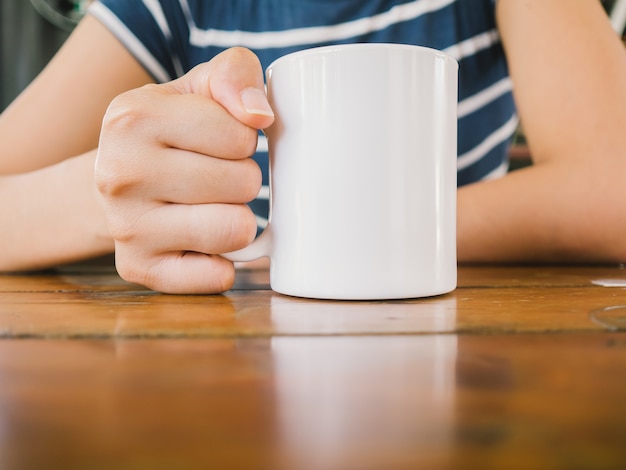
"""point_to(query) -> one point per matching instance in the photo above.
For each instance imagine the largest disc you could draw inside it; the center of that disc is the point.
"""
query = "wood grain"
(519, 367)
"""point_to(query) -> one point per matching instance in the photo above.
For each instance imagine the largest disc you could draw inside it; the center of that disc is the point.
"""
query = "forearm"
(568, 68)
(51, 216)
(545, 213)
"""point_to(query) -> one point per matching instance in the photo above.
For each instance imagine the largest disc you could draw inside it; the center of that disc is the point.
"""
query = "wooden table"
(520, 367)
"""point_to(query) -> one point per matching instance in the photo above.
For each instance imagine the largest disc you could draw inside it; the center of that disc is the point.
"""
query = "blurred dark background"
(31, 31)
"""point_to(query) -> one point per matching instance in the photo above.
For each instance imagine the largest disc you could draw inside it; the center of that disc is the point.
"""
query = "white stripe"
(184, 5)
(484, 97)
(311, 35)
(261, 145)
(264, 193)
(473, 45)
(157, 13)
(130, 41)
(497, 137)
(499, 172)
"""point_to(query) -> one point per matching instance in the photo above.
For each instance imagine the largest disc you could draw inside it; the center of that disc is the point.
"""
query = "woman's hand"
(175, 173)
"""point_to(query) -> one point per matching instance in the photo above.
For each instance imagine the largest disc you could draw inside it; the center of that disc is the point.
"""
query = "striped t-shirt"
(169, 37)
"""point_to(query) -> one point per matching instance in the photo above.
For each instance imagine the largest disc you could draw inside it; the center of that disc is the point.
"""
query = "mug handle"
(259, 248)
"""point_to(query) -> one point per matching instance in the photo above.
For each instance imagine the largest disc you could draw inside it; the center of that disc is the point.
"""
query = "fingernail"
(255, 102)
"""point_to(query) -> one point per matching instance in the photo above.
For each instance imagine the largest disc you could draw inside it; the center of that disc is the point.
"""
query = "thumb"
(234, 79)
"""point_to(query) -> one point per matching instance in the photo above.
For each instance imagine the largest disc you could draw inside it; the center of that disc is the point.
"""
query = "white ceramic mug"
(362, 173)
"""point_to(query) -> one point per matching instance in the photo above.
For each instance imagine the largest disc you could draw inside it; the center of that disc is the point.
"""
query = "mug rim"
(335, 48)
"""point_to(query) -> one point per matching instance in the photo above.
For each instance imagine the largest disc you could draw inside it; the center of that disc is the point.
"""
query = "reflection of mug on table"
(365, 402)
(363, 173)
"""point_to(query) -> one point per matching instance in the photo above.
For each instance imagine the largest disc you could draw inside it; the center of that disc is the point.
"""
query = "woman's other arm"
(569, 76)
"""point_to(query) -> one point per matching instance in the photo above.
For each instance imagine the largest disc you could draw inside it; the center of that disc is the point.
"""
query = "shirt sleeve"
(143, 28)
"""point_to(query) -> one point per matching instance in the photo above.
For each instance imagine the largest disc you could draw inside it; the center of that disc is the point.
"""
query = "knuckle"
(117, 169)
(121, 231)
(129, 270)
(113, 177)
(238, 55)
(108, 176)
(130, 226)
(151, 272)
(128, 111)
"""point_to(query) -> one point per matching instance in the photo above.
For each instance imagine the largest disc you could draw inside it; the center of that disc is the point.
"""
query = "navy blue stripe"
(475, 128)
(484, 166)
(280, 15)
